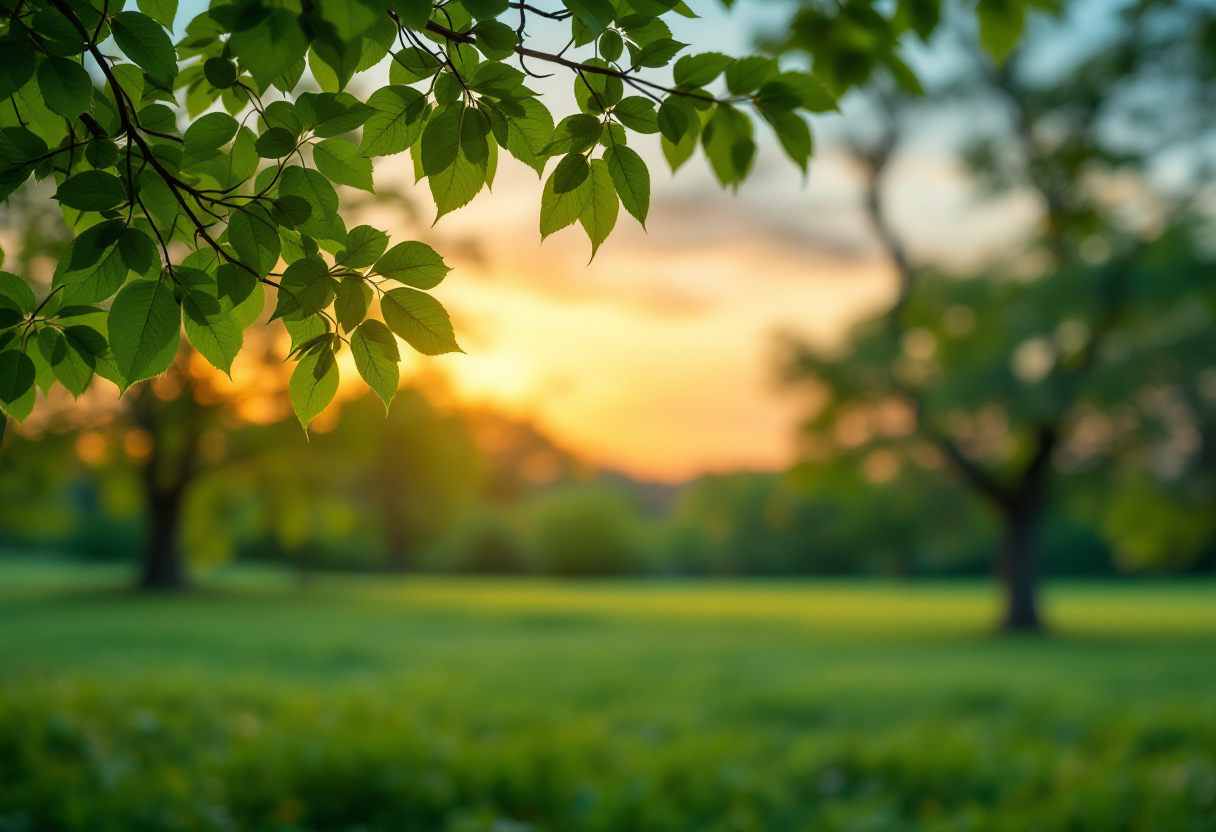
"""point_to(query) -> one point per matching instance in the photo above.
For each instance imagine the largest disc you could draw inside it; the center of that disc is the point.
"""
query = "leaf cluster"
(211, 143)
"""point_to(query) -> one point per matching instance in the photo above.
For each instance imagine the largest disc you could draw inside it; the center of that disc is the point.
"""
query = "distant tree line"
(471, 491)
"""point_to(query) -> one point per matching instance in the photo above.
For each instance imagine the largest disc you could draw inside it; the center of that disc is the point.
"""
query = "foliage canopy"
(249, 184)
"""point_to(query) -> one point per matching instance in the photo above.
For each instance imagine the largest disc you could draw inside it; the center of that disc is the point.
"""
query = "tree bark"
(1018, 567)
(162, 567)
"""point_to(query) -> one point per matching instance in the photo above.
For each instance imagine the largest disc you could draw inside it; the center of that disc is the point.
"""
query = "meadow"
(411, 703)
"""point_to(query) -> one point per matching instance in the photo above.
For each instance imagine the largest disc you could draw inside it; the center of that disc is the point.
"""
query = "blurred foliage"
(93, 760)
(474, 491)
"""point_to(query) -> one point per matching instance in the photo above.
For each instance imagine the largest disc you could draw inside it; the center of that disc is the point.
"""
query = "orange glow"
(659, 357)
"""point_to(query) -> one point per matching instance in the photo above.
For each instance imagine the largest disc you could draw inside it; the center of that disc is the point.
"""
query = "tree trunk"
(400, 543)
(1018, 566)
(163, 568)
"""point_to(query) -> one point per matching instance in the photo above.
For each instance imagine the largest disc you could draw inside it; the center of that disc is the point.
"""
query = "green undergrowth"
(507, 707)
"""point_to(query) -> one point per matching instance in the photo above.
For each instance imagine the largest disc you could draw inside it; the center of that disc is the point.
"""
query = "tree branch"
(523, 51)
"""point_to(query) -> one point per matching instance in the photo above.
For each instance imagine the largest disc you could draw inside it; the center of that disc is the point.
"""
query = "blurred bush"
(586, 532)
(82, 759)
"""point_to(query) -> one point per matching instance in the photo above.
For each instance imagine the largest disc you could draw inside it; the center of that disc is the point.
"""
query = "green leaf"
(499, 81)
(495, 40)
(413, 13)
(206, 135)
(162, 11)
(272, 47)
(16, 375)
(528, 135)
(794, 135)
(376, 358)
(255, 238)
(654, 8)
(632, 180)
(209, 321)
(659, 53)
(776, 96)
(131, 79)
(332, 114)
(455, 183)
(747, 75)
(678, 118)
(638, 114)
(275, 143)
(364, 245)
(349, 20)
(420, 320)
(377, 43)
(441, 139)
(306, 288)
(566, 195)
(323, 222)
(813, 94)
(570, 173)
(17, 60)
(305, 331)
(411, 65)
(413, 263)
(611, 45)
(18, 146)
(238, 164)
(240, 289)
(485, 9)
(52, 345)
(138, 251)
(66, 87)
(92, 269)
(644, 30)
(354, 298)
(595, 92)
(15, 293)
(596, 14)
(146, 43)
(84, 346)
(699, 70)
(575, 134)
(340, 162)
(157, 117)
(282, 114)
(314, 383)
(727, 139)
(290, 211)
(144, 320)
(1001, 24)
(92, 190)
(397, 123)
(599, 217)
(101, 153)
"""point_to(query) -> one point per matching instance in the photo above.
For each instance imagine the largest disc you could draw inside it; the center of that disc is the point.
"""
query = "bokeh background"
(698, 534)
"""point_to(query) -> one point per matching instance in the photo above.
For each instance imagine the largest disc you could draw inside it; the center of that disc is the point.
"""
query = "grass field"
(433, 704)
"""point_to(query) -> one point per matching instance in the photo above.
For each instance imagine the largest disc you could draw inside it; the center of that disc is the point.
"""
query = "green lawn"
(431, 704)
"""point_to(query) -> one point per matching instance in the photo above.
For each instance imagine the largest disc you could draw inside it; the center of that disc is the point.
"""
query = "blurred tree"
(995, 377)
(177, 429)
